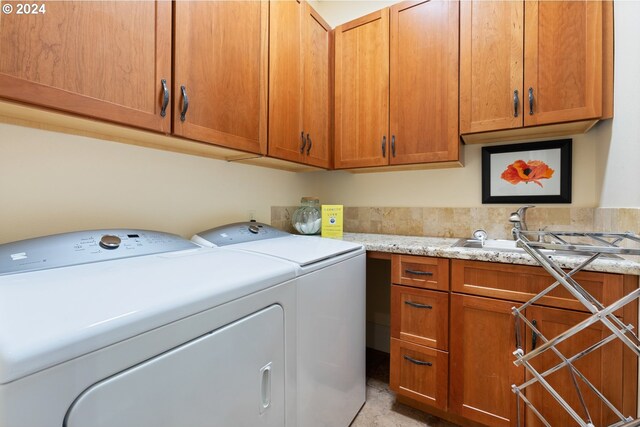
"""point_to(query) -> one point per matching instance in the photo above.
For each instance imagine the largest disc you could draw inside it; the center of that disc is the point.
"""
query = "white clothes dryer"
(331, 299)
(135, 328)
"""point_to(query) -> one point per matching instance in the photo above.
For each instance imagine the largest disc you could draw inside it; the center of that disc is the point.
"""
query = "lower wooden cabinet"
(483, 337)
(603, 368)
(452, 351)
(419, 372)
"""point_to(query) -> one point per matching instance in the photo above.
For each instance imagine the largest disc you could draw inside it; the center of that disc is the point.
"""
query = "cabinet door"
(424, 82)
(603, 368)
(221, 62)
(286, 136)
(316, 94)
(100, 59)
(491, 65)
(482, 371)
(563, 61)
(362, 92)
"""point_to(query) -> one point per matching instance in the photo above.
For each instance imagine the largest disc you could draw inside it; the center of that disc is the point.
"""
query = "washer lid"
(303, 250)
(50, 316)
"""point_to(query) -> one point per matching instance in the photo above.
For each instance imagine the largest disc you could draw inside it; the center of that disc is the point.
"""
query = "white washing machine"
(134, 328)
(331, 316)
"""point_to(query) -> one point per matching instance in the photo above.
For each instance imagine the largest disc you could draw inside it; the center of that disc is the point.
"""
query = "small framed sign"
(536, 172)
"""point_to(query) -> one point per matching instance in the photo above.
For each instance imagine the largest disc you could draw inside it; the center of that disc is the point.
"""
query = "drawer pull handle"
(534, 336)
(516, 101)
(419, 273)
(416, 305)
(416, 361)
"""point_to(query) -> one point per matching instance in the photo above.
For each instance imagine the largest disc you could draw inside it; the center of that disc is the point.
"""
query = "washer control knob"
(254, 229)
(109, 241)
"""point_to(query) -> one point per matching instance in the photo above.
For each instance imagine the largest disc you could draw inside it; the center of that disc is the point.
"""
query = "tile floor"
(381, 409)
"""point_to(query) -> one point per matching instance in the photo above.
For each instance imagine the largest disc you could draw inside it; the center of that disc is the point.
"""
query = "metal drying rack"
(592, 245)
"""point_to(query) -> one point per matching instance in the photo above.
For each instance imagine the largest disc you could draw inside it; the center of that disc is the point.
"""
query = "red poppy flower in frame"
(531, 171)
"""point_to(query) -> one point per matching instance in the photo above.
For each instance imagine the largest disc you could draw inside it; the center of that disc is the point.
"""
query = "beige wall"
(50, 183)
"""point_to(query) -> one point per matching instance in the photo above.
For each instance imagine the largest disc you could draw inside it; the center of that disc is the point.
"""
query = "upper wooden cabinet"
(530, 63)
(104, 60)
(424, 82)
(299, 84)
(221, 59)
(397, 90)
(362, 92)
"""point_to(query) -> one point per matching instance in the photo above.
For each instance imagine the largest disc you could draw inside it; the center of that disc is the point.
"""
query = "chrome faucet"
(518, 219)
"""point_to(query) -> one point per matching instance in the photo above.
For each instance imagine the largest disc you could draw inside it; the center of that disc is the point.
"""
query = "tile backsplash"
(461, 222)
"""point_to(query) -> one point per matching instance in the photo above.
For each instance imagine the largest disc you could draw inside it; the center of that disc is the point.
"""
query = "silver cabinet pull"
(416, 361)
(384, 146)
(417, 305)
(516, 101)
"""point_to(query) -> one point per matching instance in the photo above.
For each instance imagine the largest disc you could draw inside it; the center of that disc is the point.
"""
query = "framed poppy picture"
(536, 172)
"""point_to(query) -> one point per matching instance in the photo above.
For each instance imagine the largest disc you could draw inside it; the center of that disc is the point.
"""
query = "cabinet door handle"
(309, 144)
(303, 142)
(419, 273)
(531, 101)
(165, 98)
(185, 104)
(516, 101)
(384, 146)
(417, 305)
(393, 145)
(534, 336)
(416, 361)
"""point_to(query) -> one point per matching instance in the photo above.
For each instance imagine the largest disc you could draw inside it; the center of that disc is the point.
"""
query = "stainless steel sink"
(500, 245)
(488, 244)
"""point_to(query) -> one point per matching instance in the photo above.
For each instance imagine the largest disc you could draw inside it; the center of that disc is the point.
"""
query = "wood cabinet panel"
(563, 60)
(420, 316)
(419, 373)
(316, 93)
(424, 82)
(103, 60)
(286, 135)
(421, 272)
(362, 91)
(299, 84)
(482, 370)
(521, 283)
(221, 61)
(603, 368)
(491, 65)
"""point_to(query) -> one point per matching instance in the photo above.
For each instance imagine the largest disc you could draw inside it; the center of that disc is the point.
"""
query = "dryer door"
(233, 376)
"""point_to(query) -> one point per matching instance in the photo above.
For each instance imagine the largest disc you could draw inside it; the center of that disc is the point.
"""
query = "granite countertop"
(442, 247)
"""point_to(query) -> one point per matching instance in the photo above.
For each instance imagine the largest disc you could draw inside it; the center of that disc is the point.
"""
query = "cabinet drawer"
(420, 316)
(520, 283)
(421, 272)
(419, 372)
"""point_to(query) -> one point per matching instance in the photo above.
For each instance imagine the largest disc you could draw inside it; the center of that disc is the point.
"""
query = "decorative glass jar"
(307, 218)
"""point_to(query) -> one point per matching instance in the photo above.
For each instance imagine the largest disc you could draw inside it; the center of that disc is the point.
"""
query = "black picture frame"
(527, 153)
